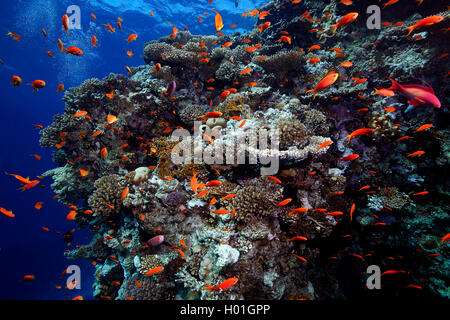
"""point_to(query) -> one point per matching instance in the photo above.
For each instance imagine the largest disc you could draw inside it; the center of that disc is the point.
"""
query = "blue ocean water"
(26, 249)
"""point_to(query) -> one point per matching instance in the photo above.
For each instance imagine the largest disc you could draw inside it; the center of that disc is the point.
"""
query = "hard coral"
(106, 198)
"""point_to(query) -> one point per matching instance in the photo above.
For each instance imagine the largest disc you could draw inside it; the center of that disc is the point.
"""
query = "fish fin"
(414, 102)
(410, 30)
(410, 107)
(395, 85)
(430, 88)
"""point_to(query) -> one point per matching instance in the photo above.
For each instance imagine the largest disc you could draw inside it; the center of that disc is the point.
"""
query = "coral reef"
(223, 220)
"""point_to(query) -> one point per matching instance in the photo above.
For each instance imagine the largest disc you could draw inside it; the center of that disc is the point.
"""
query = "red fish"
(37, 84)
(358, 132)
(74, 51)
(424, 22)
(65, 23)
(345, 20)
(325, 144)
(417, 95)
(350, 157)
(218, 22)
(324, 83)
(222, 286)
(154, 271)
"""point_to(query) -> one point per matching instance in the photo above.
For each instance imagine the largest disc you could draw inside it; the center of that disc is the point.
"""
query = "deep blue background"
(25, 247)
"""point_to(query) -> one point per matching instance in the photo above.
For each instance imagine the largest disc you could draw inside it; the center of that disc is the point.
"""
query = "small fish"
(298, 210)
(345, 20)
(424, 22)
(7, 213)
(132, 37)
(218, 21)
(284, 202)
(298, 238)
(83, 172)
(416, 154)
(13, 35)
(424, 127)
(38, 205)
(16, 81)
(37, 84)
(301, 258)
(94, 41)
(225, 285)
(421, 193)
(384, 92)
(65, 23)
(153, 271)
(324, 83)
(359, 132)
(74, 51)
(325, 144)
(229, 196)
(350, 157)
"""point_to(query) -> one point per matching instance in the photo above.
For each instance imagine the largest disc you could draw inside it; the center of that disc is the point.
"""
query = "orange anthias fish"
(65, 23)
(80, 114)
(264, 26)
(424, 127)
(345, 20)
(358, 132)
(390, 2)
(222, 286)
(110, 119)
(298, 210)
(16, 81)
(325, 144)
(103, 153)
(245, 71)
(94, 41)
(60, 87)
(109, 28)
(29, 185)
(350, 157)
(284, 202)
(218, 22)
(213, 114)
(285, 39)
(325, 83)
(424, 22)
(13, 35)
(416, 154)
(37, 84)
(384, 92)
(7, 213)
(74, 51)
(60, 45)
(132, 37)
(154, 271)
(352, 210)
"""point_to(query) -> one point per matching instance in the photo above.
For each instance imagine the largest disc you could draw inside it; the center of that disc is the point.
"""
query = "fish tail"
(208, 287)
(395, 85)
(334, 26)
(410, 30)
